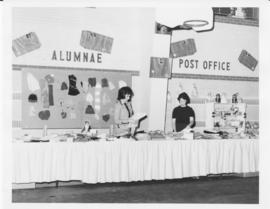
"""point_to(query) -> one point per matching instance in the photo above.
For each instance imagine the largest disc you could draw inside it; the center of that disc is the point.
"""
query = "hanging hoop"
(195, 23)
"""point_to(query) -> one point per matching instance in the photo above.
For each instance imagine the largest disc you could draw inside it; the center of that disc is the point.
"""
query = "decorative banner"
(160, 68)
(70, 110)
(25, 44)
(95, 41)
(183, 48)
(248, 60)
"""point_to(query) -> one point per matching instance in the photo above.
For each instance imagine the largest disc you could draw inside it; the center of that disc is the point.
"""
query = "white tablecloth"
(124, 161)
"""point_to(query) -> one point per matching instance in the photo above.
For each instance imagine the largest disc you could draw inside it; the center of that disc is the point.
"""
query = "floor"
(220, 189)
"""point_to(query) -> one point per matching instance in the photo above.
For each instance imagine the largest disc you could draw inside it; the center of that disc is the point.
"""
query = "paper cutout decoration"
(105, 99)
(95, 41)
(51, 103)
(121, 84)
(194, 92)
(84, 85)
(32, 82)
(89, 110)
(160, 67)
(97, 116)
(44, 93)
(49, 78)
(98, 86)
(106, 117)
(32, 98)
(183, 48)
(44, 115)
(63, 114)
(248, 60)
(73, 91)
(32, 111)
(111, 85)
(89, 98)
(104, 82)
(92, 82)
(25, 44)
(64, 86)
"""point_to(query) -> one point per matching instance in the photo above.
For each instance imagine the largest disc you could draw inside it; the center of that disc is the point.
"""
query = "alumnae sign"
(73, 56)
(205, 64)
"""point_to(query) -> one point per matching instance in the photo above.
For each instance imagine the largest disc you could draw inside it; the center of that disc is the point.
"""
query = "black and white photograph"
(134, 104)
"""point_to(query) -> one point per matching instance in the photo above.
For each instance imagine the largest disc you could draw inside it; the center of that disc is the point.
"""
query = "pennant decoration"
(248, 60)
(183, 48)
(25, 44)
(95, 41)
(160, 68)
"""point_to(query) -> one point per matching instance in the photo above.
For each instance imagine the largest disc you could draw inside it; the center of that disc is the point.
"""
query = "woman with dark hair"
(123, 112)
(183, 116)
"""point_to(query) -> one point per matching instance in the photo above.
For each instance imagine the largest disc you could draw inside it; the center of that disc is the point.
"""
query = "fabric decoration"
(32, 98)
(121, 84)
(183, 48)
(95, 41)
(160, 67)
(89, 98)
(106, 117)
(73, 91)
(51, 103)
(105, 99)
(89, 110)
(32, 111)
(63, 115)
(92, 82)
(64, 86)
(44, 115)
(111, 85)
(33, 84)
(44, 93)
(25, 44)
(84, 85)
(49, 78)
(104, 82)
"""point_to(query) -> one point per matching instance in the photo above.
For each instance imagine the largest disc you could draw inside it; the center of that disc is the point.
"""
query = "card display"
(183, 48)
(25, 44)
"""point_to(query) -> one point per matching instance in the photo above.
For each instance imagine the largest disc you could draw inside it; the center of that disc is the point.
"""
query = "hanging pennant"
(183, 48)
(25, 44)
(248, 60)
(95, 41)
(160, 68)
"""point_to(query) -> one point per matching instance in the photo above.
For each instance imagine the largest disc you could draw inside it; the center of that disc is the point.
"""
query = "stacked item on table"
(157, 135)
(252, 130)
(85, 138)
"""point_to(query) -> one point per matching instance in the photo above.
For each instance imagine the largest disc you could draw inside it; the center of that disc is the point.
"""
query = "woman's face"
(182, 102)
(127, 97)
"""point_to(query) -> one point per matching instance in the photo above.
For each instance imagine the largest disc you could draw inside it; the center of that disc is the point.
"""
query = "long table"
(125, 160)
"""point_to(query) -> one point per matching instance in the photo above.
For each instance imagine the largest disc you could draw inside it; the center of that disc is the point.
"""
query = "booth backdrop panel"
(66, 98)
(125, 161)
(199, 91)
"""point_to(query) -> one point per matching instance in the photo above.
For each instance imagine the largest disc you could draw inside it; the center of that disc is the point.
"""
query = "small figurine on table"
(86, 129)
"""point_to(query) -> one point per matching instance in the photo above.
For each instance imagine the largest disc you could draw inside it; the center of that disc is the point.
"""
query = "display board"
(60, 98)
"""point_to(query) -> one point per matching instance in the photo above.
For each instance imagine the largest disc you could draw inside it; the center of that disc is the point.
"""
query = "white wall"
(223, 44)
(60, 29)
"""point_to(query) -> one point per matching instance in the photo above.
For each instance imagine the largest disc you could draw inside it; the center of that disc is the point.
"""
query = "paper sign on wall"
(183, 48)
(95, 41)
(248, 60)
(25, 44)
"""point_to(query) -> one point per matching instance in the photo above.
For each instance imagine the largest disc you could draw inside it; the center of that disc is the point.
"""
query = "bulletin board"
(60, 98)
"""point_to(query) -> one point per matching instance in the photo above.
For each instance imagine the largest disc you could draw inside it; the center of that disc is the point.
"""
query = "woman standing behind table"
(183, 116)
(123, 111)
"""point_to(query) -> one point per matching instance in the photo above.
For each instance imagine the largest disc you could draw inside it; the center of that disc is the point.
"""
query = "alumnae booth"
(70, 63)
